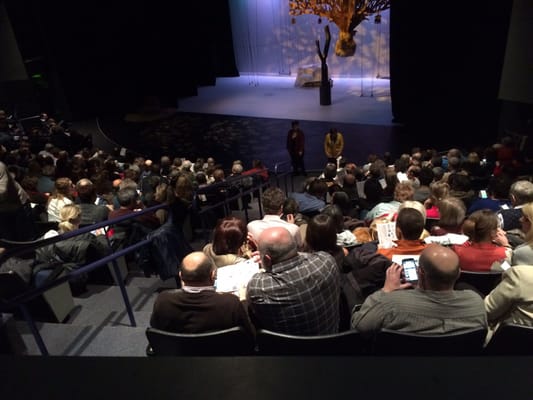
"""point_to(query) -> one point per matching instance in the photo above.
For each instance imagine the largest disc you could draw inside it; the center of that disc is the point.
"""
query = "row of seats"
(509, 339)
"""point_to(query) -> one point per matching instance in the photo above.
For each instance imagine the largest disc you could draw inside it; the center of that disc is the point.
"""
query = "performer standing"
(333, 145)
(295, 147)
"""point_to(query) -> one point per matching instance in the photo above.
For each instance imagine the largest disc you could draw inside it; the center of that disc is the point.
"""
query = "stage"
(354, 100)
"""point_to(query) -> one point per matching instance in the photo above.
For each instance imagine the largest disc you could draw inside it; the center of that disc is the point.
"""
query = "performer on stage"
(295, 147)
(333, 145)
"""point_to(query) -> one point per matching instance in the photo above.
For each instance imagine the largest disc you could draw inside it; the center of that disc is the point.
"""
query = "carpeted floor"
(227, 138)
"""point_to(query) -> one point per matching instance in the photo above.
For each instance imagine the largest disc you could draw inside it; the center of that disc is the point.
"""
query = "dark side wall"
(446, 65)
(105, 55)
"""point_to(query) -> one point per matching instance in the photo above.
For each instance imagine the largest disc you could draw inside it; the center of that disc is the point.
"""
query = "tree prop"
(346, 14)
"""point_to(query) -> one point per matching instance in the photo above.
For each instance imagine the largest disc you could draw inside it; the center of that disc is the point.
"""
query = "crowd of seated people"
(310, 284)
(306, 270)
(48, 168)
(57, 168)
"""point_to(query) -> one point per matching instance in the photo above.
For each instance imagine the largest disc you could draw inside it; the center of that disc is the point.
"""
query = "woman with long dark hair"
(229, 245)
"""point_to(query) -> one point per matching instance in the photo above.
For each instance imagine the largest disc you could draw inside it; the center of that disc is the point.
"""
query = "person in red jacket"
(488, 246)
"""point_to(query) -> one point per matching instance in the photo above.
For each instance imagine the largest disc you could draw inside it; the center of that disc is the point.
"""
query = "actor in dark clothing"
(196, 307)
(295, 147)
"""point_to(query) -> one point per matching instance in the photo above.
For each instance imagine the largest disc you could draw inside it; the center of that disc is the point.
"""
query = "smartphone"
(483, 194)
(409, 270)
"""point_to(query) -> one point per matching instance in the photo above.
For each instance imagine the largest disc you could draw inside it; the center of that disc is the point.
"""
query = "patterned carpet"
(227, 138)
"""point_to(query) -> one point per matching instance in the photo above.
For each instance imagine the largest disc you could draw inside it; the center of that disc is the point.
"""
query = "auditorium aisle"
(99, 324)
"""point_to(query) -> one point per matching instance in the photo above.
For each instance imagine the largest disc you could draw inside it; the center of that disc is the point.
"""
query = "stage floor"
(354, 100)
(248, 117)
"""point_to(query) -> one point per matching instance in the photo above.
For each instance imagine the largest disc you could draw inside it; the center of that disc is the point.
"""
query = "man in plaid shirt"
(298, 293)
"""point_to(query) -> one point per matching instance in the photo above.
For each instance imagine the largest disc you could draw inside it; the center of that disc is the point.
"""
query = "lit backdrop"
(266, 42)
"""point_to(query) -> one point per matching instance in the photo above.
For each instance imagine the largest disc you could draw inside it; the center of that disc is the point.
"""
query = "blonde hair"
(439, 190)
(416, 205)
(70, 216)
(452, 211)
(404, 191)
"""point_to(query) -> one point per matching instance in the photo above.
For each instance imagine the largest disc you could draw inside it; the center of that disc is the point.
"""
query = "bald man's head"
(86, 190)
(276, 245)
(197, 269)
(439, 266)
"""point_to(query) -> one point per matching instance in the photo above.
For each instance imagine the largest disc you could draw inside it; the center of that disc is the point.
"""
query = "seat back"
(11, 285)
(227, 342)
(469, 342)
(482, 282)
(338, 344)
(51, 306)
(511, 339)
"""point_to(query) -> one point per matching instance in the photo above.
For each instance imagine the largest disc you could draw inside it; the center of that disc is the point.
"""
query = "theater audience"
(452, 215)
(273, 199)
(61, 196)
(495, 197)
(409, 228)
(131, 230)
(386, 202)
(373, 187)
(345, 237)
(461, 187)
(488, 246)
(76, 251)
(86, 196)
(79, 249)
(312, 200)
(438, 191)
(425, 178)
(523, 253)
(432, 307)
(196, 307)
(520, 193)
(229, 245)
(421, 209)
(321, 235)
(298, 293)
(15, 213)
(512, 300)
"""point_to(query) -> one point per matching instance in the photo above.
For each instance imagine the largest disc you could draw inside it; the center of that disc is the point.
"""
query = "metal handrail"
(23, 247)
(18, 248)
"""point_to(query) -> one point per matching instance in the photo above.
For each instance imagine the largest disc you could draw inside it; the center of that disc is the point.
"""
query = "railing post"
(123, 292)
(33, 329)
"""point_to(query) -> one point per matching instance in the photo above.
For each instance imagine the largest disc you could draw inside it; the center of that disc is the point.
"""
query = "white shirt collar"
(197, 289)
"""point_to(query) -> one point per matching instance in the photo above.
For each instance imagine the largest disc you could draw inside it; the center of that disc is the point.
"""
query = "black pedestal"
(325, 94)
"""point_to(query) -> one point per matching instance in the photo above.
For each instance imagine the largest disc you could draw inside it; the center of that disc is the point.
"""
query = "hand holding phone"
(393, 279)
(410, 270)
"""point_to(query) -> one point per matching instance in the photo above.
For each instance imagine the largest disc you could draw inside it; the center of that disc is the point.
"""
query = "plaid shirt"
(299, 296)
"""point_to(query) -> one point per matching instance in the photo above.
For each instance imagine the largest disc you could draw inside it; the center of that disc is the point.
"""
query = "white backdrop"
(266, 42)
